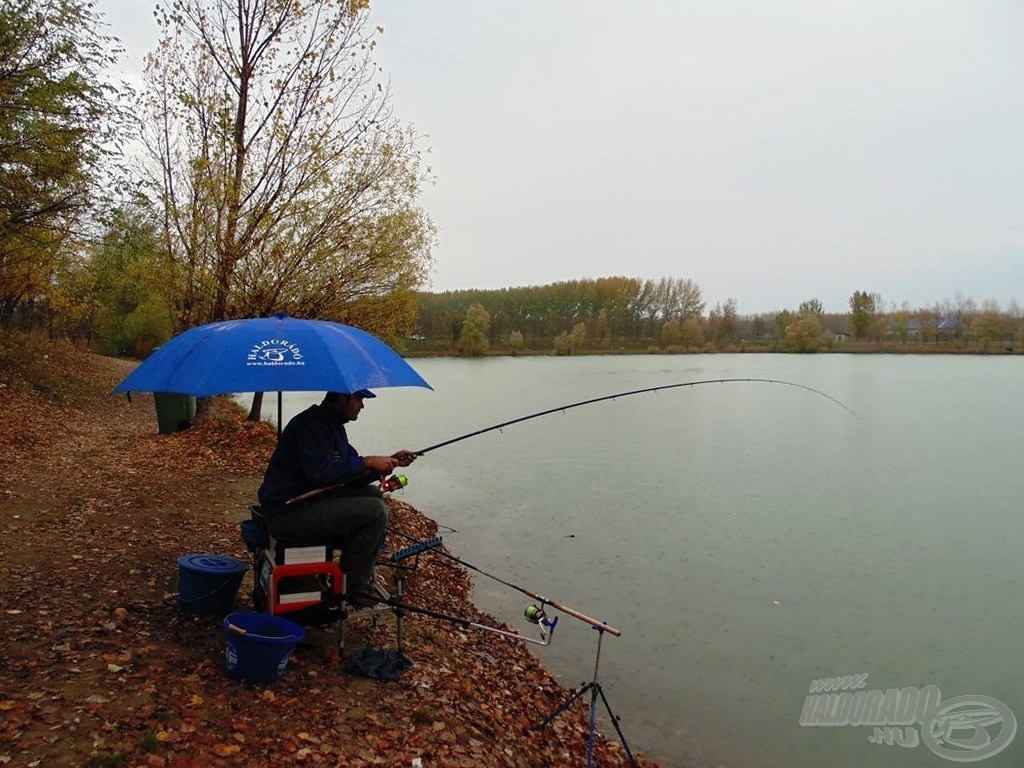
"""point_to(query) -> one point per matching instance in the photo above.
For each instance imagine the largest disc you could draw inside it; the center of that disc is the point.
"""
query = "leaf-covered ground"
(100, 666)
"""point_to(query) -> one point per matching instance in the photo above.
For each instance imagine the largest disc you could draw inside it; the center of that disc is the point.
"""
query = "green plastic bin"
(174, 412)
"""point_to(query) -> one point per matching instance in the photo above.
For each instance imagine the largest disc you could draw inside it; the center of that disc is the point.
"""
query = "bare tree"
(285, 182)
(672, 298)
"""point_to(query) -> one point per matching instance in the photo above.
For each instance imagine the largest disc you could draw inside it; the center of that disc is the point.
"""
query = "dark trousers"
(353, 519)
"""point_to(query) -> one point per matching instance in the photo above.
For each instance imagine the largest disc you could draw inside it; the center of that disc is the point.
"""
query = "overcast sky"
(771, 150)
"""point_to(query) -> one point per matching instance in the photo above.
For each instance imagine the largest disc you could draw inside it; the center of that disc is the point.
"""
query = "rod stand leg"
(615, 722)
(565, 705)
(595, 690)
(400, 588)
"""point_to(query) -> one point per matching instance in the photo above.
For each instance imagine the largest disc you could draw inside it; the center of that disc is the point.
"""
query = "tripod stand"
(595, 691)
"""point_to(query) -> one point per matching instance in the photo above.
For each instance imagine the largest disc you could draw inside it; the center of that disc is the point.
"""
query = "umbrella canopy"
(279, 353)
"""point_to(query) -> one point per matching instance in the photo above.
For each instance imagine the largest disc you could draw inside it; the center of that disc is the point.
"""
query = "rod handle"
(599, 625)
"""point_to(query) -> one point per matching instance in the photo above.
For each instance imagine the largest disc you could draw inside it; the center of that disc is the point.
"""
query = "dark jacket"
(312, 452)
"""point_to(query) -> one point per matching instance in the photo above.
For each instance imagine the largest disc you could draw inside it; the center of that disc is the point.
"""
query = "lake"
(747, 539)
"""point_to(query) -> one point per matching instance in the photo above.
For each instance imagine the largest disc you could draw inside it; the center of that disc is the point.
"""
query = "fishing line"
(616, 396)
(562, 408)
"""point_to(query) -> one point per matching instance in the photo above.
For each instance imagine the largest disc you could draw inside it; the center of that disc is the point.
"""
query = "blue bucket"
(259, 646)
(209, 583)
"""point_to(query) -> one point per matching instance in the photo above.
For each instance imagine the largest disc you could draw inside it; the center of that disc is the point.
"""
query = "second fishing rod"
(533, 614)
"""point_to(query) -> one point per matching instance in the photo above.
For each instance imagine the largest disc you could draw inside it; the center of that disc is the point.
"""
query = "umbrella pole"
(279, 397)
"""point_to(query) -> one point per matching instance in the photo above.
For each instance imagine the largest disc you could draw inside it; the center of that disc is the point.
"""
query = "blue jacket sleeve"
(326, 456)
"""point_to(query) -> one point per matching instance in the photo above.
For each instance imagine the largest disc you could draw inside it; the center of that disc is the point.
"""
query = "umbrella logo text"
(274, 352)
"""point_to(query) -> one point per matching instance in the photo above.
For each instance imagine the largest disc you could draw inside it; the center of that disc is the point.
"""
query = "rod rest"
(415, 549)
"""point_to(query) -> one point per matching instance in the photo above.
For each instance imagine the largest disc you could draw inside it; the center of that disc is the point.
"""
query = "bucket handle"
(223, 585)
(246, 633)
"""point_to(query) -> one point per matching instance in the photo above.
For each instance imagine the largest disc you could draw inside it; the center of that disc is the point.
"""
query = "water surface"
(746, 538)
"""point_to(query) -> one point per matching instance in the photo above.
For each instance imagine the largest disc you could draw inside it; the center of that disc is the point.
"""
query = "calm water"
(746, 538)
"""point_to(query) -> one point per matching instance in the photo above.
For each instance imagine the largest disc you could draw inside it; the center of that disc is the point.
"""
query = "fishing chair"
(299, 579)
(291, 577)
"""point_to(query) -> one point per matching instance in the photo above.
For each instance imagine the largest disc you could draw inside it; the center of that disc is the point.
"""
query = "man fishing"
(313, 453)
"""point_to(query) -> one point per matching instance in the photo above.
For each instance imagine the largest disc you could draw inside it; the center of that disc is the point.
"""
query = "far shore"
(415, 349)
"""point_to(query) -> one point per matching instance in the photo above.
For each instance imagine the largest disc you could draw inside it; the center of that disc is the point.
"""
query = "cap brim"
(364, 393)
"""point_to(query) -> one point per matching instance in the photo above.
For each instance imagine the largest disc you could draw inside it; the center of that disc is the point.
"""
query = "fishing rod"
(616, 396)
(532, 615)
(562, 408)
(545, 626)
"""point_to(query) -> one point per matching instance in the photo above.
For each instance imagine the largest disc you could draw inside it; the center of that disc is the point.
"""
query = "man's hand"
(382, 465)
(404, 458)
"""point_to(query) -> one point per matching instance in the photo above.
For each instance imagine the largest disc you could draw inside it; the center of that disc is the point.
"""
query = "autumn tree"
(515, 342)
(862, 309)
(899, 322)
(567, 343)
(474, 338)
(130, 286)
(782, 321)
(57, 125)
(990, 326)
(928, 319)
(758, 326)
(722, 322)
(670, 333)
(71, 299)
(691, 334)
(811, 307)
(806, 334)
(285, 182)
(667, 298)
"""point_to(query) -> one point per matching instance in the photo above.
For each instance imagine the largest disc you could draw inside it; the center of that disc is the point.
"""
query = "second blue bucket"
(209, 583)
(259, 645)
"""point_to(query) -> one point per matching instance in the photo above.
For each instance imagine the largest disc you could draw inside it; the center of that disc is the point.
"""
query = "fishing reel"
(393, 483)
(535, 615)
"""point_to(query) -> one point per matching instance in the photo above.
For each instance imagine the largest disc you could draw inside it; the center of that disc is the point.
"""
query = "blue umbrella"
(279, 353)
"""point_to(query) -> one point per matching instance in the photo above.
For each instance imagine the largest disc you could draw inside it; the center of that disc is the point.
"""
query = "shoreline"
(101, 667)
(999, 349)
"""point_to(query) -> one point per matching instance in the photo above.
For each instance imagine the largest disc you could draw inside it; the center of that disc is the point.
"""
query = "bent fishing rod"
(645, 390)
(579, 404)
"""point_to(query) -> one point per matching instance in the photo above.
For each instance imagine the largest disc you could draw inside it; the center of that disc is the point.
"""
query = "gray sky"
(771, 150)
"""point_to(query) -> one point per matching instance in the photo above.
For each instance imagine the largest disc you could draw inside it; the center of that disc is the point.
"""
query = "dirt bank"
(99, 666)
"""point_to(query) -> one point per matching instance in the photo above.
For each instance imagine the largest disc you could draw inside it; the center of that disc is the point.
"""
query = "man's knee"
(380, 516)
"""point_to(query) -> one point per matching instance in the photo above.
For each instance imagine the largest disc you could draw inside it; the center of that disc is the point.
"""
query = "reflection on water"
(747, 539)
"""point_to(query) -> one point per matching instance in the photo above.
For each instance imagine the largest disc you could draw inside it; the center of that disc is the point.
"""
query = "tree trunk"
(257, 407)
(202, 409)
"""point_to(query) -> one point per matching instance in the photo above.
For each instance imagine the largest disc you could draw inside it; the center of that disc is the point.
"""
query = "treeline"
(612, 310)
(668, 314)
